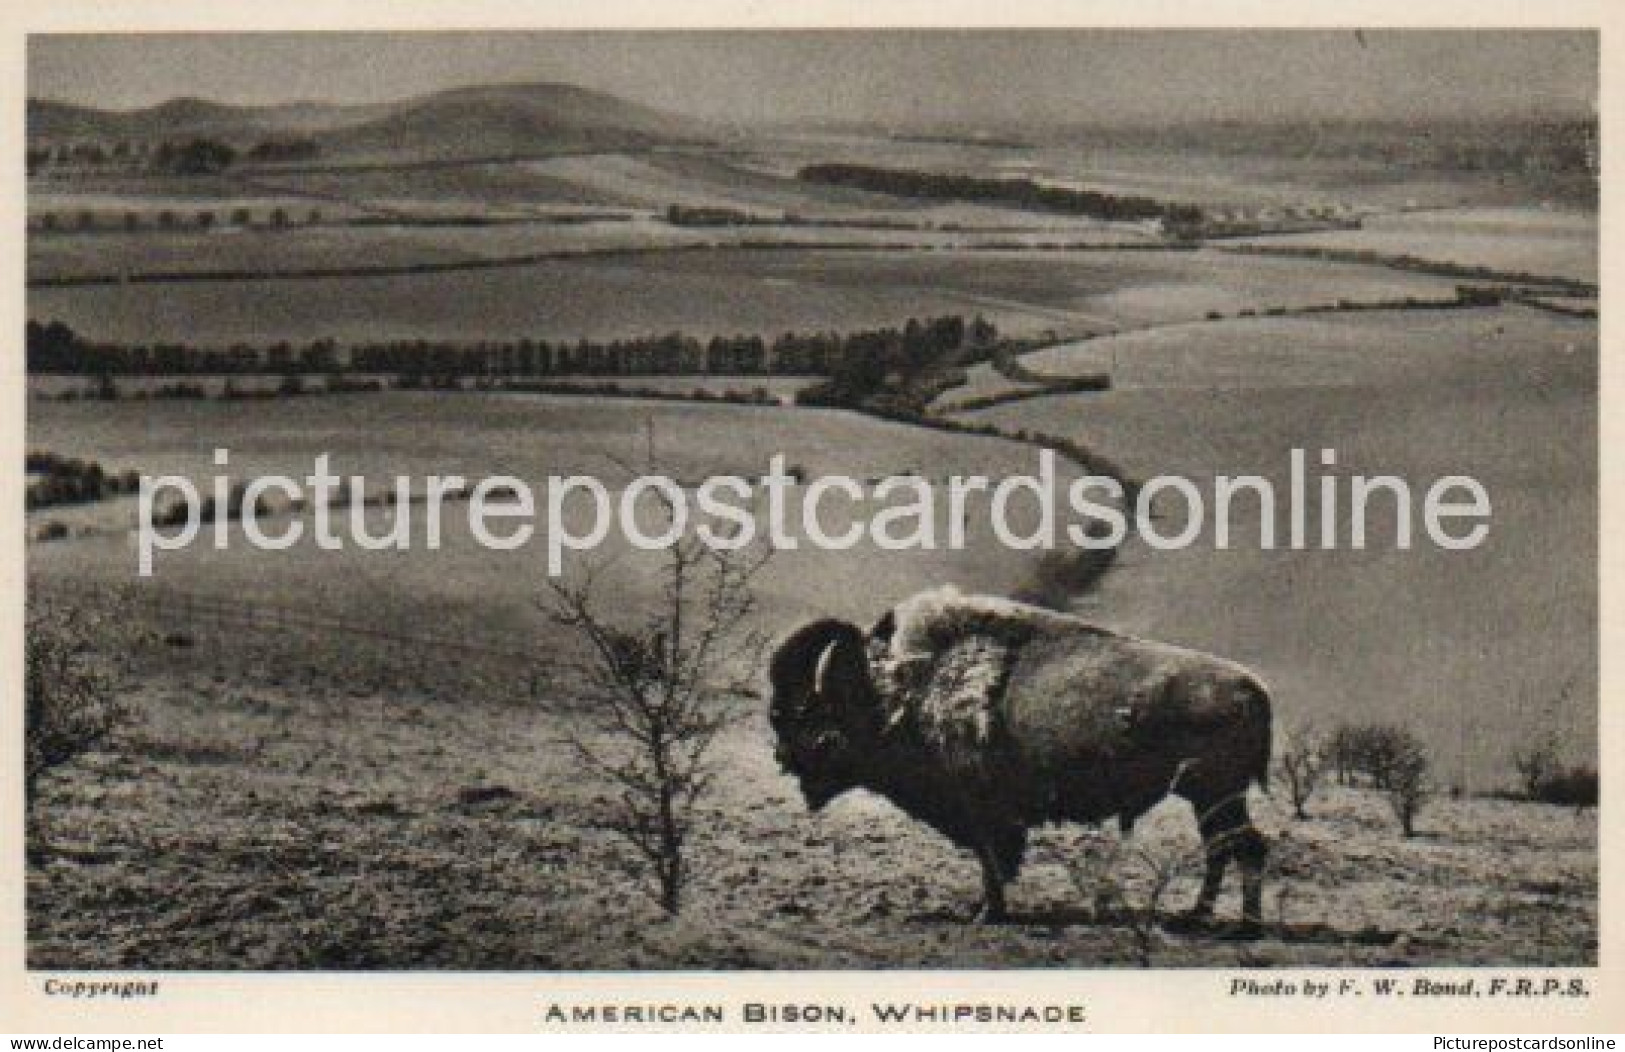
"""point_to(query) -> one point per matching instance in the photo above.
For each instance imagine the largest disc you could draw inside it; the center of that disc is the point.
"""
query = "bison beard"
(983, 718)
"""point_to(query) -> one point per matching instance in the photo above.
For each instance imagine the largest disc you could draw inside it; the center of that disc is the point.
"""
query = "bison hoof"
(1249, 929)
(1190, 921)
(991, 914)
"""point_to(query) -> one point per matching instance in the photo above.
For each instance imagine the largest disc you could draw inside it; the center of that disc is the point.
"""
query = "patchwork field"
(724, 292)
(530, 437)
(390, 243)
(1481, 648)
(361, 764)
(1224, 174)
(1549, 242)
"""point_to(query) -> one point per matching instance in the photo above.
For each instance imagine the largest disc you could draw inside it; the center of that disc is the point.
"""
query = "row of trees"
(171, 219)
(194, 156)
(1022, 193)
(1392, 760)
(855, 360)
(1384, 757)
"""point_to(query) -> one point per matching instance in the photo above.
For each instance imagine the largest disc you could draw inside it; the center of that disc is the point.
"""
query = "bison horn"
(824, 661)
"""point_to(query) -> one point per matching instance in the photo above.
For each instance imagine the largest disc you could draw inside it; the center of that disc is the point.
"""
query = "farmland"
(530, 437)
(721, 291)
(1505, 396)
(1559, 243)
(363, 765)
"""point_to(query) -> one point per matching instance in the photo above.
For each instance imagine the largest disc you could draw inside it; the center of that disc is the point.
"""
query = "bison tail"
(1258, 716)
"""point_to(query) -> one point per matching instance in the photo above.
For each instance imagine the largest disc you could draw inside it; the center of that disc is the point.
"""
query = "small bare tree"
(1536, 764)
(1340, 753)
(1409, 783)
(661, 685)
(1129, 885)
(1300, 765)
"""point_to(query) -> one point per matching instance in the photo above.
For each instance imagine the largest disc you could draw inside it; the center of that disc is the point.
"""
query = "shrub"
(67, 480)
(69, 701)
(1129, 885)
(1536, 764)
(1370, 751)
(174, 513)
(1408, 781)
(1575, 787)
(1300, 765)
(237, 507)
(1544, 778)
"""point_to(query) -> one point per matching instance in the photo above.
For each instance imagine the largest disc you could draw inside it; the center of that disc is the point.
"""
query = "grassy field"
(316, 827)
(725, 292)
(600, 299)
(393, 243)
(1185, 172)
(981, 381)
(1479, 649)
(531, 437)
(1547, 242)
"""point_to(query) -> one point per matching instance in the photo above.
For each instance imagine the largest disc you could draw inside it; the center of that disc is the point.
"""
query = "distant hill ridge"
(481, 120)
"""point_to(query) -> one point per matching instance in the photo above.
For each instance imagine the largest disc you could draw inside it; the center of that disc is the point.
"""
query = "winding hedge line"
(1404, 261)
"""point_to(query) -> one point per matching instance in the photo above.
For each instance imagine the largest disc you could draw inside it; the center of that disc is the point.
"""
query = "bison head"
(825, 710)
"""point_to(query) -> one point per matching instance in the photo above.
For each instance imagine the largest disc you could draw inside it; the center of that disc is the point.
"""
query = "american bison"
(984, 717)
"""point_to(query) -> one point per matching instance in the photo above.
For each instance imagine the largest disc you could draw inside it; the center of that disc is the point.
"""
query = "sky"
(986, 77)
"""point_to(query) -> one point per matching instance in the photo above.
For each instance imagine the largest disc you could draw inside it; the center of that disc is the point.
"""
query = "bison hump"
(950, 698)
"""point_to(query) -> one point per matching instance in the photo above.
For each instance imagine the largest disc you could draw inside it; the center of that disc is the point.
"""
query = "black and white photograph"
(845, 499)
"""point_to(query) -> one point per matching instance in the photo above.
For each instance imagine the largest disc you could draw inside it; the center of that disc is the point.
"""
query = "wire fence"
(195, 607)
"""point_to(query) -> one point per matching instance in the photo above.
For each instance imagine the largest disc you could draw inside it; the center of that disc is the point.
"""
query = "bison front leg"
(993, 910)
(1252, 852)
(1001, 858)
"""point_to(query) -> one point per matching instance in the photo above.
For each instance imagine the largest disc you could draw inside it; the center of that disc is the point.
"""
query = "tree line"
(194, 156)
(1020, 192)
(856, 360)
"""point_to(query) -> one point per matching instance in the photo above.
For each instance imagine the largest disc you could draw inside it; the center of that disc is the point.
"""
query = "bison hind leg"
(1228, 834)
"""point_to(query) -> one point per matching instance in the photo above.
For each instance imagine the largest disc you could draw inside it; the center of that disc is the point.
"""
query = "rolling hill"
(481, 121)
(50, 121)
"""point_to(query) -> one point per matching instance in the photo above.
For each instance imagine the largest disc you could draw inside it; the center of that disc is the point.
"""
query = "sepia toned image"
(1157, 476)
